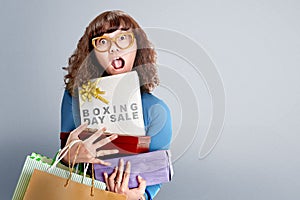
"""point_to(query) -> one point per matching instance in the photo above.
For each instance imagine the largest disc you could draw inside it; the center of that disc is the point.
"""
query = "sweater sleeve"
(67, 119)
(159, 127)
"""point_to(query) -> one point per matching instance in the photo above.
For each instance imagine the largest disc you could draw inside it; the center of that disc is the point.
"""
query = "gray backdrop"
(255, 47)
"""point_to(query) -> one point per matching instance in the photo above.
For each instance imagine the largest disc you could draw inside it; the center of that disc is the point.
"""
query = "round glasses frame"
(113, 40)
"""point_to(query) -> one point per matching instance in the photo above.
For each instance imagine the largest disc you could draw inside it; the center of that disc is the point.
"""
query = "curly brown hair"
(83, 64)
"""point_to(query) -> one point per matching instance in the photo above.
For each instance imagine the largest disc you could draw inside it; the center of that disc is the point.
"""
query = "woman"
(114, 43)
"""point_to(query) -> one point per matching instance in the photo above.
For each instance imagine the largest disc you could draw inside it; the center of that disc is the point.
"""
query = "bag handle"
(71, 168)
(62, 153)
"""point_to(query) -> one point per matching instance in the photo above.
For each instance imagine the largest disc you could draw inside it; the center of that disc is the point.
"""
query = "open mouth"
(118, 63)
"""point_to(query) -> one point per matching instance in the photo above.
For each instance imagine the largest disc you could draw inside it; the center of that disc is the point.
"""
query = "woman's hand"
(118, 182)
(88, 150)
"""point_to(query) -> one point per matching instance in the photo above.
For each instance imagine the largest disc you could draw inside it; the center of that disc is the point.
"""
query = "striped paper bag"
(36, 161)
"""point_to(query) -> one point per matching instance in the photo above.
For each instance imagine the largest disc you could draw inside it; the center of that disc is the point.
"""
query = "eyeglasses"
(122, 40)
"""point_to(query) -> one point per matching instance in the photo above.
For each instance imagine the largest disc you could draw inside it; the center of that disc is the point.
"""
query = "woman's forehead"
(113, 25)
(114, 31)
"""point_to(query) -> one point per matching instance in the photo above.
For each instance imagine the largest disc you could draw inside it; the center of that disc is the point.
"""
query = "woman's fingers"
(126, 176)
(106, 181)
(98, 161)
(94, 136)
(119, 177)
(140, 191)
(120, 171)
(105, 141)
(106, 152)
(88, 151)
(142, 184)
(75, 133)
(111, 179)
(92, 148)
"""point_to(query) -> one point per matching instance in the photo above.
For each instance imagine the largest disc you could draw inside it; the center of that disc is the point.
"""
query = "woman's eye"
(123, 37)
(102, 42)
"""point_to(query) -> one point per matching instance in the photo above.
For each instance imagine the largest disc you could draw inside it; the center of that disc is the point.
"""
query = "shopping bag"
(47, 186)
(36, 161)
(155, 167)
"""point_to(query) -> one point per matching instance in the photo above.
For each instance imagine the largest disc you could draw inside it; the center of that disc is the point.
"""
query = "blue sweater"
(157, 121)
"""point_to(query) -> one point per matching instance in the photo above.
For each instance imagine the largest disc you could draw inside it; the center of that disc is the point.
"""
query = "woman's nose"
(113, 48)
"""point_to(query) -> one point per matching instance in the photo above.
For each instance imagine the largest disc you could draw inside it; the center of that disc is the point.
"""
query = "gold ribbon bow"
(90, 90)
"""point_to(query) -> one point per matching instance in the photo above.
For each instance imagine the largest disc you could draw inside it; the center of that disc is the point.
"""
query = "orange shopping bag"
(47, 186)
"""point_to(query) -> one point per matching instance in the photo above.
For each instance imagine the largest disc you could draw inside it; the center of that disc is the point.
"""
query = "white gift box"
(113, 102)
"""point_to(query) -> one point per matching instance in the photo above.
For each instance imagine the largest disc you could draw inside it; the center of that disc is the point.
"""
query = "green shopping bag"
(42, 163)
